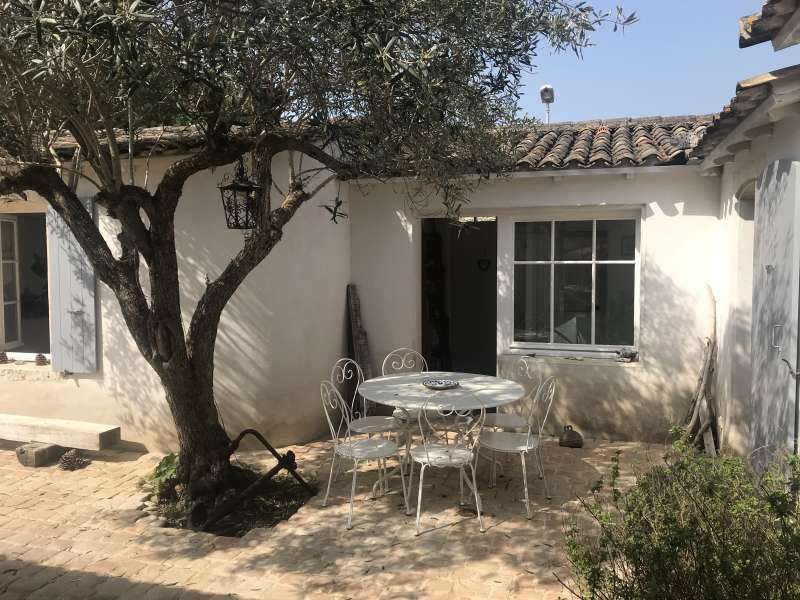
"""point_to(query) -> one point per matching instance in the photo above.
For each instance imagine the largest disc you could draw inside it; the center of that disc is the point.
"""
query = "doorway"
(459, 295)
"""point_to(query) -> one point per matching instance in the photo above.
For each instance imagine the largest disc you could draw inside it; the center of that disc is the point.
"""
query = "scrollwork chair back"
(543, 401)
(403, 360)
(347, 374)
(336, 413)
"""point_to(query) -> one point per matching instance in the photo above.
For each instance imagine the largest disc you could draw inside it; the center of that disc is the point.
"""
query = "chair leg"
(493, 471)
(410, 481)
(477, 499)
(419, 494)
(539, 464)
(541, 469)
(330, 478)
(525, 485)
(403, 481)
(352, 493)
(461, 476)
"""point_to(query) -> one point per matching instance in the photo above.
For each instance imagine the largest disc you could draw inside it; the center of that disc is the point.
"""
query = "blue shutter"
(71, 283)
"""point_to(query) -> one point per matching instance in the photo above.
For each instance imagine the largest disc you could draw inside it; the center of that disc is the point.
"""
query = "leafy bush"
(694, 527)
(163, 477)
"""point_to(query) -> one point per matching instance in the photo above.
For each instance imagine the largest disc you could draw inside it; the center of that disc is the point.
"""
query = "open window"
(46, 288)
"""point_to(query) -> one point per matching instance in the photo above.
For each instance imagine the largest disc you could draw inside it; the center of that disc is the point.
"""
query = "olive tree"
(378, 88)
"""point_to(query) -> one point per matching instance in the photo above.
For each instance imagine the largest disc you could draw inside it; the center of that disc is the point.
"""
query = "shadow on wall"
(772, 404)
(278, 336)
(635, 401)
(735, 389)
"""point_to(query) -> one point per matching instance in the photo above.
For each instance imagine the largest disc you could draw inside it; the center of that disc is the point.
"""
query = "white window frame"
(574, 349)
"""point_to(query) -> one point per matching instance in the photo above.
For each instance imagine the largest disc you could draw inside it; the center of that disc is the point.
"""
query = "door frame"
(18, 342)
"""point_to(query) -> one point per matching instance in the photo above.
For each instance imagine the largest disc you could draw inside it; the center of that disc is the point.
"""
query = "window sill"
(574, 360)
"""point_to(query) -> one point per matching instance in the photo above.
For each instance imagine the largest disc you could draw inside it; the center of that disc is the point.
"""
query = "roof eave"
(777, 22)
(775, 95)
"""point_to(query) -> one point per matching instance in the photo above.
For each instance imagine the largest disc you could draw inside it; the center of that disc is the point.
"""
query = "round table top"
(405, 390)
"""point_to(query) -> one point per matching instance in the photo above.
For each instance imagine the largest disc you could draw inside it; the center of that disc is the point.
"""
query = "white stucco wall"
(740, 410)
(279, 335)
(634, 401)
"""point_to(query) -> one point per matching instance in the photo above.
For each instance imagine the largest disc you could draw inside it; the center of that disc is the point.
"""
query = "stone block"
(37, 454)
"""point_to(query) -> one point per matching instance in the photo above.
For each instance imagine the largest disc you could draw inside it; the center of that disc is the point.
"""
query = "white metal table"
(474, 392)
(405, 390)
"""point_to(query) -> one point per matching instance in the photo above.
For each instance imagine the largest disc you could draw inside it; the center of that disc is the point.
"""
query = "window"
(575, 283)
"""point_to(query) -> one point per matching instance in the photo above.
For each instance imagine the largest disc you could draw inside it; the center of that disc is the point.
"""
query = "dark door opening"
(459, 295)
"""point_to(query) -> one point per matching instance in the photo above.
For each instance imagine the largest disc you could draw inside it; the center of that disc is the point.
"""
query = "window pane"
(616, 240)
(7, 239)
(9, 282)
(573, 240)
(532, 303)
(614, 305)
(573, 304)
(532, 241)
(10, 322)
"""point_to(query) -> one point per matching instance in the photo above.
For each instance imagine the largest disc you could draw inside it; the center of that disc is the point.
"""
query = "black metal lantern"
(240, 199)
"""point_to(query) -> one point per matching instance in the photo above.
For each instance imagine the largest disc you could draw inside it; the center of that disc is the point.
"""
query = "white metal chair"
(337, 414)
(522, 443)
(439, 451)
(347, 372)
(516, 415)
(403, 360)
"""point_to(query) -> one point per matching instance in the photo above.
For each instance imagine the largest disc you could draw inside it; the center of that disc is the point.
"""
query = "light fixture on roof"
(548, 96)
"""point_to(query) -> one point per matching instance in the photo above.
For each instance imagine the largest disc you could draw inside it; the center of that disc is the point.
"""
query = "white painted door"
(775, 296)
(10, 320)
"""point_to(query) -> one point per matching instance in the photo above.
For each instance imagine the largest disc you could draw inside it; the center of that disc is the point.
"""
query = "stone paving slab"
(83, 535)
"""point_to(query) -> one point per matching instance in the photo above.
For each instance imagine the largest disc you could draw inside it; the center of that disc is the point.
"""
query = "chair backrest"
(337, 413)
(449, 426)
(403, 360)
(526, 374)
(347, 375)
(540, 407)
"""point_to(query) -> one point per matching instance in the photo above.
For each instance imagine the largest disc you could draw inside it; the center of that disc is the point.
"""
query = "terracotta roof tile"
(612, 143)
(763, 26)
(750, 93)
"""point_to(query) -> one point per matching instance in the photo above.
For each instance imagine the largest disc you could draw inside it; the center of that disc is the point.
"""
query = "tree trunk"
(204, 447)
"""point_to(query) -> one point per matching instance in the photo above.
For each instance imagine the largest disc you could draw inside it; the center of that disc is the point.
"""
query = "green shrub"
(692, 528)
(163, 476)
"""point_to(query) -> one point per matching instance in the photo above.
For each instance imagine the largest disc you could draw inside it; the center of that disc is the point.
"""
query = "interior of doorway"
(459, 295)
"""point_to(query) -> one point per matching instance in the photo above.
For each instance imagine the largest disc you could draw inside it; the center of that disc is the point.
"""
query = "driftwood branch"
(702, 418)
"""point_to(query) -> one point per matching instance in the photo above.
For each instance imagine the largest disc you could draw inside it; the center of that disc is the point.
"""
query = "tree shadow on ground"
(314, 551)
(22, 578)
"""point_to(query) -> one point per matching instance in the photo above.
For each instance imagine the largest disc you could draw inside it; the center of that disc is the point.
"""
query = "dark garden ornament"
(240, 199)
(570, 438)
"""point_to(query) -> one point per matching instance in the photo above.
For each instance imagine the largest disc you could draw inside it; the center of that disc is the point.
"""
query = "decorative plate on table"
(440, 384)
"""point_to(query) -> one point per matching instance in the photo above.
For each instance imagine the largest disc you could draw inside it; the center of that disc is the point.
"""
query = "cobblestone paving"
(83, 535)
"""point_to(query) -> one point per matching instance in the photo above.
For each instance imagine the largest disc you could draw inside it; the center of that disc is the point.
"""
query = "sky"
(681, 58)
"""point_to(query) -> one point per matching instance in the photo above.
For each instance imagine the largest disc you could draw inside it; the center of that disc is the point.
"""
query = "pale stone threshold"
(28, 371)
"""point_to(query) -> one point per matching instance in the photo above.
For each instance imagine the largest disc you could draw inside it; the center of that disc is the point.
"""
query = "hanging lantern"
(240, 199)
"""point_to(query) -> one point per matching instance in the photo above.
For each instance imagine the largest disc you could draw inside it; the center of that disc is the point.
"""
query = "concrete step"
(69, 434)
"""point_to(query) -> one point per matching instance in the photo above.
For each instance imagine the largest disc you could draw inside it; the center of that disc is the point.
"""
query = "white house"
(639, 237)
